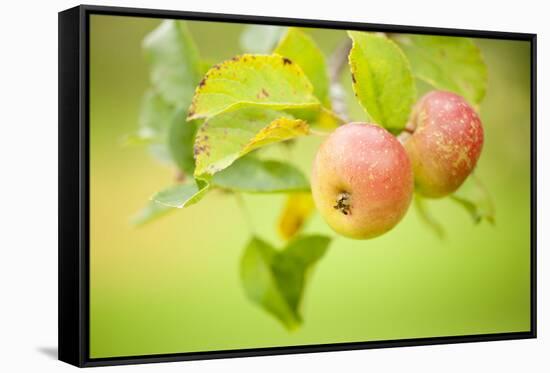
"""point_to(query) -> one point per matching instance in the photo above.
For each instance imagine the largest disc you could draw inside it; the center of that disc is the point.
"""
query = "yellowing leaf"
(382, 80)
(301, 49)
(268, 82)
(279, 130)
(328, 119)
(226, 137)
(297, 210)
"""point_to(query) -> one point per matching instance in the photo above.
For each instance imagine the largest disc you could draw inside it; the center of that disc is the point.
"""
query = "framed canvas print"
(237, 186)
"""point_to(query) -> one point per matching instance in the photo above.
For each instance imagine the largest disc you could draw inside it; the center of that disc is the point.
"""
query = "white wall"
(28, 184)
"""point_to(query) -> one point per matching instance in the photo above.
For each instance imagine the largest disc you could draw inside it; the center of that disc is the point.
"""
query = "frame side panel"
(534, 224)
(69, 251)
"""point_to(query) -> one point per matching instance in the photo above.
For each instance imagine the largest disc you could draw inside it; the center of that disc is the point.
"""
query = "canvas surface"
(174, 284)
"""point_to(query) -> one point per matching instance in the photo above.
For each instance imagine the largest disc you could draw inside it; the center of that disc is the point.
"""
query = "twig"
(337, 61)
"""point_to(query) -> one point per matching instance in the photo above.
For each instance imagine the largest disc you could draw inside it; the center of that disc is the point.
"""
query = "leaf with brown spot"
(228, 136)
(243, 81)
(262, 94)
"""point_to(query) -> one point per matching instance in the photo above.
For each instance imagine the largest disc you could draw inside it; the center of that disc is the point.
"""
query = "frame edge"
(70, 264)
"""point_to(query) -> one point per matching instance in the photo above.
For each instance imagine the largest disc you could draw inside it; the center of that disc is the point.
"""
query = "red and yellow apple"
(446, 142)
(362, 181)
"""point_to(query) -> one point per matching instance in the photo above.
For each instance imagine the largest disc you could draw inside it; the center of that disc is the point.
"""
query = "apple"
(445, 143)
(362, 180)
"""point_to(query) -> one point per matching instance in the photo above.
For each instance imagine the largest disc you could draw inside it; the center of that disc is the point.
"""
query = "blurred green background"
(173, 285)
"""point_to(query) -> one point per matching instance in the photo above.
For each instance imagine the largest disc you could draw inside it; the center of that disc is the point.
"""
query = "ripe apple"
(362, 181)
(446, 142)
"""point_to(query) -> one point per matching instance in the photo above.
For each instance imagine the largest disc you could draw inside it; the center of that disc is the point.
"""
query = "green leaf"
(159, 128)
(447, 62)
(161, 153)
(475, 198)
(181, 140)
(154, 118)
(152, 211)
(382, 79)
(175, 65)
(175, 70)
(301, 49)
(226, 137)
(297, 210)
(268, 82)
(276, 280)
(291, 266)
(182, 195)
(427, 218)
(252, 175)
(260, 39)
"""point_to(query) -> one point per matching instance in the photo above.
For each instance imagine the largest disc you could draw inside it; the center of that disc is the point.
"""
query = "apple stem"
(406, 133)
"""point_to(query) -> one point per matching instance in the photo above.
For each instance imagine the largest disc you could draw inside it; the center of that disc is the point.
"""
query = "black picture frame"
(74, 198)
